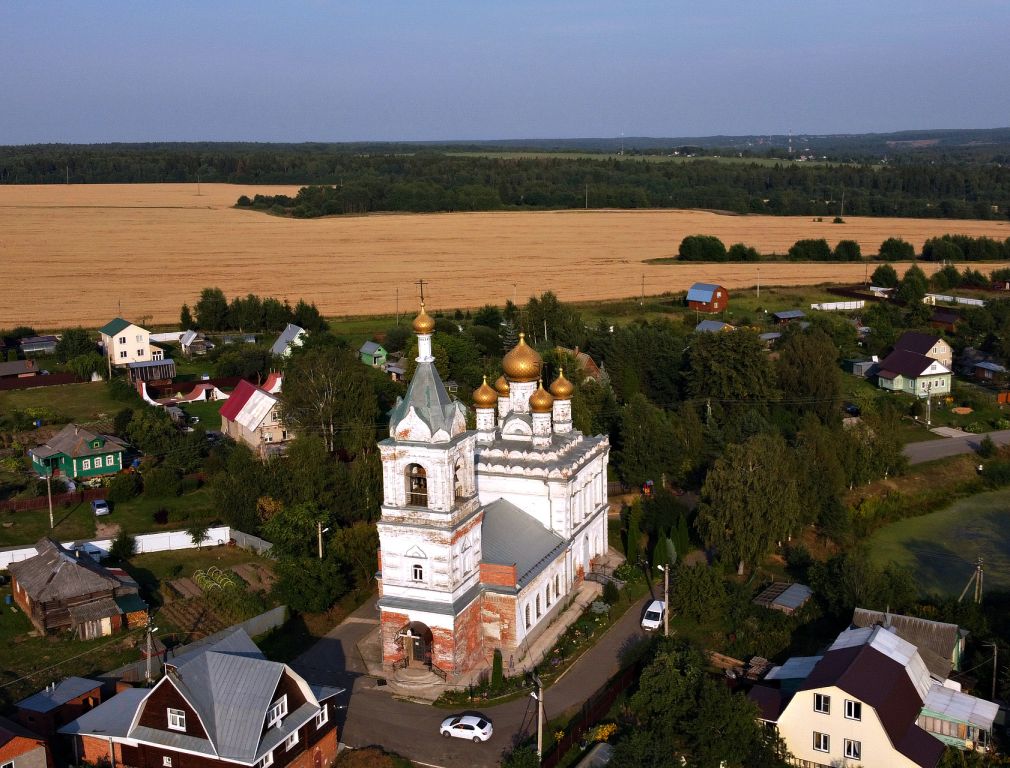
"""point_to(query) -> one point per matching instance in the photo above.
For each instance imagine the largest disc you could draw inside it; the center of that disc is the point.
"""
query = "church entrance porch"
(416, 639)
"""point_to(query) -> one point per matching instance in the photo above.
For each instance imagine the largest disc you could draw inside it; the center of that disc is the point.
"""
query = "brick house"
(78, 452)
(45, 712)
(252, 415)
(61, 590)
(20, 748)
(218, 706)
(707, 297)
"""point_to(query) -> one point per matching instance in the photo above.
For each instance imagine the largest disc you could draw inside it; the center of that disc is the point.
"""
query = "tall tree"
(185, 317)
(74, 343)
(749, 500)
(212, 310)
(808, 373)
(729, 367)
(885, 276)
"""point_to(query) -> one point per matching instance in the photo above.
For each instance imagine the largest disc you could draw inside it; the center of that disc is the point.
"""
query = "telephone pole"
(539, 696)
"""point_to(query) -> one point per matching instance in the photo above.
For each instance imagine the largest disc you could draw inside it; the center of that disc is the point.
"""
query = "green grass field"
(77, 402)
(941, 548)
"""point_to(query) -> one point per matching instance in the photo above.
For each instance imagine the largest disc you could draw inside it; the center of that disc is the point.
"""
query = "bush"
(611, 594)
(702, 248)
(160, 516)
(976, 428)
(810, 250)
(189, 484)
(987, 448)
(123, 546)
(124, 487)
(896, 249)
(848, 250)
(161, 482)
(741, 252)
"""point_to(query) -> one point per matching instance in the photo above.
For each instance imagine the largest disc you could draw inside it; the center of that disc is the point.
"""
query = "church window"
(418, 572)
(417, 486)
(547, 596)
(557, 586)
(460, 484)
(538, 606)
(528, 622)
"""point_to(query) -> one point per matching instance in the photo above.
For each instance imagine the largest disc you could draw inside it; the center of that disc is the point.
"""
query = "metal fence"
(248, 541)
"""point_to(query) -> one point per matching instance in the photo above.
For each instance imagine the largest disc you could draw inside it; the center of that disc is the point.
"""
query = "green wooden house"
(76, 452)
(372, 354)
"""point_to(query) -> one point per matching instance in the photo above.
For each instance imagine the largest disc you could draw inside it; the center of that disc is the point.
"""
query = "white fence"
(839, 305)
(146, 542)
(932, 298)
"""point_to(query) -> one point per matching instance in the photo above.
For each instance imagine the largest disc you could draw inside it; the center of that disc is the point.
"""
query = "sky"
(217, 70)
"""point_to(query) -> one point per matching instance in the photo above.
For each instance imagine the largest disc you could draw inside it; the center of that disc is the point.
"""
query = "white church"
(483, 532)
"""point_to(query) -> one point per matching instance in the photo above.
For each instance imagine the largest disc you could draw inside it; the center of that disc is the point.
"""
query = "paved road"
(373, 716)
(930, 450)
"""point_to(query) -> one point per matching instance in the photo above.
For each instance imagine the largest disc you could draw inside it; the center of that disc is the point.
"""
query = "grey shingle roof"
(712, 326)
(56, 574)
(284, 340)
(67, 690)
(76, 442)
(510, 536)
(935, 640)
(102, 608)
(790, 314)
(429, 399)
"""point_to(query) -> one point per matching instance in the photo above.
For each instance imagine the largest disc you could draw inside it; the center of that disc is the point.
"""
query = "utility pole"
(539, 696)
(587, 197)
(151, 629)
(49, 493)
(321, 530)
(397, 305)
(666, 599)
(642, 302)
(759, 283)
(929, 404)
(995, 653)
(976, 577)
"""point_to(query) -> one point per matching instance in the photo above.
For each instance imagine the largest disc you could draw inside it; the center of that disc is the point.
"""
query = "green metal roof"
(113, 327)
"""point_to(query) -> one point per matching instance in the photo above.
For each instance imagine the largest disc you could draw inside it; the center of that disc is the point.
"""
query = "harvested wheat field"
(74, 254)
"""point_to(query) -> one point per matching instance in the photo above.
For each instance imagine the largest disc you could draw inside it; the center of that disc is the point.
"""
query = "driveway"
(374, 717)
(931, 450)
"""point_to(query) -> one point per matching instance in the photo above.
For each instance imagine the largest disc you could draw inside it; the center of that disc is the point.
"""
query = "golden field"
(73, 254)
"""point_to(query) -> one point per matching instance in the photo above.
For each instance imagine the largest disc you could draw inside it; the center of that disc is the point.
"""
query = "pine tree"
(185, 318)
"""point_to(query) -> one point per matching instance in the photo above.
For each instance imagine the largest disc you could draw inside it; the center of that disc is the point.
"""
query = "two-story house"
(20, 748)
(252, 415)
(707, 297)
(219, 706)
(914, 374)
(126, 343)
(928, 345)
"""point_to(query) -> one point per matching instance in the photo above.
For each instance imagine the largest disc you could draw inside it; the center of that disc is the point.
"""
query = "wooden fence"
(60, 499)
(32, 382)
(592, 711)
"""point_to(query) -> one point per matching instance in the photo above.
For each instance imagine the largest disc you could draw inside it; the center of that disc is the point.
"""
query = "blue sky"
(380, 70)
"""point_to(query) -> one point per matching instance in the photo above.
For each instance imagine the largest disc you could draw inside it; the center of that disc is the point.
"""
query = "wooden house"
(989, 372)
(944, 319)
(61, 590)
(19, 369)
(58, 704)
(78, 452)
(219, 706)
(707, 297)
(373, 354)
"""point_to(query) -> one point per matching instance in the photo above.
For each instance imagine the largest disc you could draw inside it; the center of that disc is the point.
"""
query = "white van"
(653, 618)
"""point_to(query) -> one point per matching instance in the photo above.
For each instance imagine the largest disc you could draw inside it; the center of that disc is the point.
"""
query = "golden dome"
(424, 323)
(484, 396)
(502, 387)
(541, 400)
(562, 388)
(522, 363)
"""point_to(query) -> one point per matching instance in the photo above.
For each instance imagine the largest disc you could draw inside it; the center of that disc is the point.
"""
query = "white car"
(653, 618)
(100, 508)
(473, 727)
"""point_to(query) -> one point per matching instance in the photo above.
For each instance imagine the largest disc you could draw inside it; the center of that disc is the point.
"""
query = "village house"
(39, 345)
(219, 706)
(913, 374)
(928, 345)
(20, 748)
(989, 372)
(486, 532)
(396, 367)
(252, 416)
(126, 343)
(62, 590)
(712, 326)
(944, 319)
(940, 644)
(76, 452)
(291, 336)
(587, 367)
(19, 369)
(870, 700)
(707, 297)
(193, 343)
(372, 353)
(788, 316)
(60, 703)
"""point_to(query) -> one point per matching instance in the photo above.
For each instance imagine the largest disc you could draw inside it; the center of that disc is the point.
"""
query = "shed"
(989, 371)
(788, 315)
(712, 326)
(707, 297)
(372, 353)
(39, 345)
(785, 597)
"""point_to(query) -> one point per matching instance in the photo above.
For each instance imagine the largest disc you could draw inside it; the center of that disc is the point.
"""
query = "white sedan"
(473, 727)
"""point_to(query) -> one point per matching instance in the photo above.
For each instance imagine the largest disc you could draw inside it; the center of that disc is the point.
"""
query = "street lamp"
(321, 532)
(538, 696)
(666, 599)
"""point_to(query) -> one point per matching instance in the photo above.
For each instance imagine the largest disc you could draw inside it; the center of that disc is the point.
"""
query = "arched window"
(418, 572)
(547, 596)
(417, 486)
(527, 615)
(538, 606)
(460, 478)
(557, 586)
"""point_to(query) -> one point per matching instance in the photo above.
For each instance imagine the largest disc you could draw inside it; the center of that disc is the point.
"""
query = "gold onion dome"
(424, 323)
(522, 363)
(484, 396)
(562, 388)
(541, 400)
(502, 387)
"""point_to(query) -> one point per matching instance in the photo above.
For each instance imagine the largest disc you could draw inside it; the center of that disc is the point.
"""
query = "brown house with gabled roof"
(58, 704)
(221, 705)
(60, 590)
(20, 748)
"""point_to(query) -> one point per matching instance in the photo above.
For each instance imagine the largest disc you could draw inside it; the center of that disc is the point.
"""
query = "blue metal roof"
(67, 690)
(712, 326)
(702, 292)
(990, 366)
(790, 314)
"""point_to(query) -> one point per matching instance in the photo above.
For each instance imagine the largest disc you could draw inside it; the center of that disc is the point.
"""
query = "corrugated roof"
(110, 718)
(510, 536)
(65, 690)
(935, 640)
(913, 341)
(709, 326)
(113, 327)
(56, 574)
(370, 348)
(18, 367)
(789, 314)
(911, 364)
(794, 668)
(151, 363)
(102, 608)
(188, 338)
(248, 405)
(75, 442)
(288, 335)
(702, 292)
(988, 365)
(794, 596)
(954, 705)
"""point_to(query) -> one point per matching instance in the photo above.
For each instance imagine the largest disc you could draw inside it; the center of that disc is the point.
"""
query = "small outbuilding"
(707, 297)
(989, 372)
(39, 345)
(372, 353)
(712, 326)
(784, 597)
(788, 316)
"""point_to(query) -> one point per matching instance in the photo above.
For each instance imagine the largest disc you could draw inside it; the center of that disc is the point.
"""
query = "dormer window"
(278, 710)
(176, 720)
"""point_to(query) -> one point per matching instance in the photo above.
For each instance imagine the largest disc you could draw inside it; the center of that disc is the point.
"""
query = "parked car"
(100, 507)
(653, 618)
(473, 727)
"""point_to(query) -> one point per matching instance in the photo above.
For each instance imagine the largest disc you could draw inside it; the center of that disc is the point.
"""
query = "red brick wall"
(468, 646)
(498, 615)
(502, 575)
(391, 624)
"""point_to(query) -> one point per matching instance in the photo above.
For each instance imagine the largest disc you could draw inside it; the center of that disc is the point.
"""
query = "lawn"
(941, 548)
(75, 402)
(208, 411)
(77, 522)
